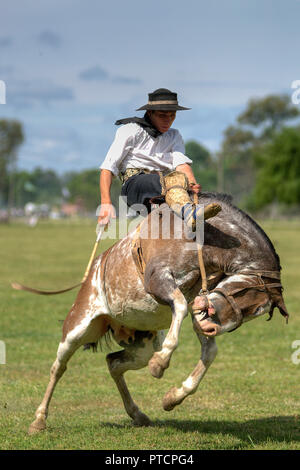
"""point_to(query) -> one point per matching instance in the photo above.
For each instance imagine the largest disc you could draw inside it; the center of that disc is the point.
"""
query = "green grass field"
(249, 398)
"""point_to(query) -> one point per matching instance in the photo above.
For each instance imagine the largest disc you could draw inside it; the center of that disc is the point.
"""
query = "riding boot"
(175, 189)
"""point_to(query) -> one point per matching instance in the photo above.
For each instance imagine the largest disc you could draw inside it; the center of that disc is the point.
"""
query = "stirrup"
(190, 212)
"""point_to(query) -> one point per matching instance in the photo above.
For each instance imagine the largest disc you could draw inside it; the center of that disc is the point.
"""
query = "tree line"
(258, 163)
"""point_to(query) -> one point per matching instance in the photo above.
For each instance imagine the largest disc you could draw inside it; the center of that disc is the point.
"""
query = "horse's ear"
(279, 303)
(282, 308)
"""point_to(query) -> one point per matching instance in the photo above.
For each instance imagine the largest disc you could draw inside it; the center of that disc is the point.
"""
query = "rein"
(261, 286)
(204, 290)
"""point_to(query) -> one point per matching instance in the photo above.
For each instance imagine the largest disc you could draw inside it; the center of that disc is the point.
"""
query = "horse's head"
(236, 299)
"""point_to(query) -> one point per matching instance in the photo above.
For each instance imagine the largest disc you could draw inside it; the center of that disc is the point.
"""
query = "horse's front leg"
(161, 283)
(208, 353)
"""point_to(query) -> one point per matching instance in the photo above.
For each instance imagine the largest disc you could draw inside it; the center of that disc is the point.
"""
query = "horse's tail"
(18, 286)
(107, 339)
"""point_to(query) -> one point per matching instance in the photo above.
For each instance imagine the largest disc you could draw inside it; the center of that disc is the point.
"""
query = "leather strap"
(234, 305)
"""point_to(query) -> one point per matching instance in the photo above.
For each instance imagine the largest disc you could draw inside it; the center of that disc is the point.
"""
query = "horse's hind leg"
(65, 351)
(74, 336)
(135, 356)
(208, 353)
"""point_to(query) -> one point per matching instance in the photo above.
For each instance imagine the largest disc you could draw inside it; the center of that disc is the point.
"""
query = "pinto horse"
(142, 286)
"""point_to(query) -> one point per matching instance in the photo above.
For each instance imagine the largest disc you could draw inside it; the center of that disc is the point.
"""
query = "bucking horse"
(142, 288)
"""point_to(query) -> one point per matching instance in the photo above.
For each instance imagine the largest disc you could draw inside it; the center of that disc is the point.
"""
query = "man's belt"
(124, 176)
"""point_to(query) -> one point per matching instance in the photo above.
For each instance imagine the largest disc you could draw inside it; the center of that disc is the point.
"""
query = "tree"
(237, 140)
(269, 113)
(258, 125)
(199, 154)
(204, 167)
(11, 137)
(25, 190)
(85, 186)
(278, 175)
(236, 174)
(39, 186)
(47, 185)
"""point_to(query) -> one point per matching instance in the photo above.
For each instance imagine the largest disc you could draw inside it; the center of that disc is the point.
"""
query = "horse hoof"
(142, 420)
(156, 367)
(37, 426)
(170, 400)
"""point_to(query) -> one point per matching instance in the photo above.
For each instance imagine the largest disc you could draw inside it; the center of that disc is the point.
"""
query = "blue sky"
(73, 67)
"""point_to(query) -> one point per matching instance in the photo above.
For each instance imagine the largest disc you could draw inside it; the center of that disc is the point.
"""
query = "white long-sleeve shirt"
(133, 147)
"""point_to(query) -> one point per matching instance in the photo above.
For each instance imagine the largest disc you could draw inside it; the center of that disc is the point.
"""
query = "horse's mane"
(242, 217)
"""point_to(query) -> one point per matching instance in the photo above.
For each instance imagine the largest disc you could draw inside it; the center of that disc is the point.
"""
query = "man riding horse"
(137, 305)
(148, 155)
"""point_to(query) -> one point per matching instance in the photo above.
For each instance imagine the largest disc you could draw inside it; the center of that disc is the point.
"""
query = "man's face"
(162, 120)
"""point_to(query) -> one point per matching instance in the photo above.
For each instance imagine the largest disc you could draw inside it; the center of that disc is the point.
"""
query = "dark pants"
(139, 189)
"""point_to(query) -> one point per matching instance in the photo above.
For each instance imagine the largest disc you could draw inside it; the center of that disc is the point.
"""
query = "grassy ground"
(249, 399)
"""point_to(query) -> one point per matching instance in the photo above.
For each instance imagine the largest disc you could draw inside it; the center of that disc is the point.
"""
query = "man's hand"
(107, 212)
(195, 187)
(187, 170)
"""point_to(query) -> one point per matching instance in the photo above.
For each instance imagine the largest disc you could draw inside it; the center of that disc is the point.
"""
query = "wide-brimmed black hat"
(163, 100)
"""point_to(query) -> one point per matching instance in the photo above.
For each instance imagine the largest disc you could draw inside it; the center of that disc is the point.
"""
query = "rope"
(200, 259)
(18, 286)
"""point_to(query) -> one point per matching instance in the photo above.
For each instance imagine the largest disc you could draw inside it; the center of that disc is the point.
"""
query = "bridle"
(258, 283)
